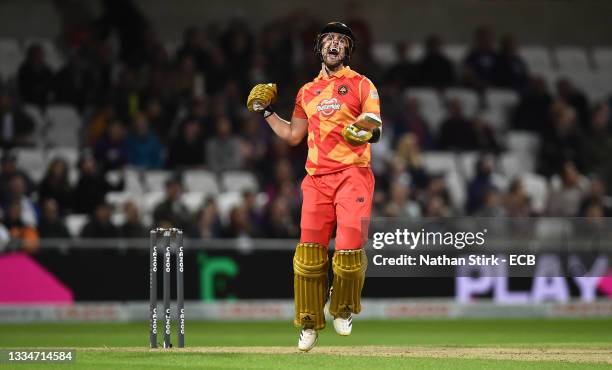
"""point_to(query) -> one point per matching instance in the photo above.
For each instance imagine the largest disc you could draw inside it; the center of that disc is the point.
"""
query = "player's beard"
(333, 64)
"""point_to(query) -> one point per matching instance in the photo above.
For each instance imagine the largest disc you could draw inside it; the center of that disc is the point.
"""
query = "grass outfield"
(462, 344)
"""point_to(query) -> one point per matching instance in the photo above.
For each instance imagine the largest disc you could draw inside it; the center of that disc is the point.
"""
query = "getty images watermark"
(521, 247)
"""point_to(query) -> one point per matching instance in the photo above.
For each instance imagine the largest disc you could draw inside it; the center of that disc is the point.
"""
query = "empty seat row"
(495, 108)
(538, 58)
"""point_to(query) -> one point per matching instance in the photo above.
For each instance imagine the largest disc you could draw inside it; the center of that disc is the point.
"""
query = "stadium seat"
(40, 124)
(202, 181)
(150, 200)
(513, 164)
(131, 177)
(467, 97)
(596, 85)
(171, 47)
(602, 56)
(536, 187)
(53, 56)
(70, 154)
(10, 58)
(432, 107)
(239, 181)
(75, 223)
(572, 59)
(118, 218)
(455, 52)
(456, 189)
(466, 165)
(193, 200)
(226, 202)
(64, 126)
(439, 162)
(523, 142)
(495, 118)
(501, 99)
(156, 180)
(32, 162)
(553, 228)
(384, 53)
(118, 198)
(537, 58)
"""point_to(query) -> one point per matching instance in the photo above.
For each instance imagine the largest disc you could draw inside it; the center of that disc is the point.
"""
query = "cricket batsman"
(339, 111)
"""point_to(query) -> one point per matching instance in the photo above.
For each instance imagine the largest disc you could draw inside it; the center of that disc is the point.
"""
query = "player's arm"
(292, 132)
(367, 128)
(260, 100)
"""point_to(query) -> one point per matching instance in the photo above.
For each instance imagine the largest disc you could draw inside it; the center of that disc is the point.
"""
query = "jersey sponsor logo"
(343, 90)
(327, 107)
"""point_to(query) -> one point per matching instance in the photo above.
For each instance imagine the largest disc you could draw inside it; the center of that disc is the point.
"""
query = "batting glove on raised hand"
(261, 97)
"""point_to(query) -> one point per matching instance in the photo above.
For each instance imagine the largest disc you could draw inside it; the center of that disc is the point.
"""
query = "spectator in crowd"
(144, 149)
(510, 69)
(405, 72)
(459, 133)
(517, 202)
(172, 211)
(100, 120)
(565, 142)
(575, 98)
(75, 83)
(597, 195)
(412, 121)
(51, 224)
(23, 234)
(436, 206)
(17, 194)
(481, 182)
(491, 204)
(435, 68)
(437, 191)
(479, 64)
(408, 150)
(400, 204)
(533, 111)
(223, 152)
(56, 185)
(208, 223)
(112, 150)
(132, 227)
(600, 140)
(253, 141)
(16, 127)
(253, 211)
(195, 44)
(283, 174)
(100, 225)
(5, 236)
(92, 186)
(35, 77)
(8, 169)
(565, 200)
(186, 150)
(279, 222)
(238, 226)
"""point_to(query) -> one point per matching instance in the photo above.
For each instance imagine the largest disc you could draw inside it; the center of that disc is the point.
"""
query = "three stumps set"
(170, 240)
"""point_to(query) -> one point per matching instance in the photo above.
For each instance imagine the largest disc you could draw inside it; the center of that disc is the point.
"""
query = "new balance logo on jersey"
(360, 199)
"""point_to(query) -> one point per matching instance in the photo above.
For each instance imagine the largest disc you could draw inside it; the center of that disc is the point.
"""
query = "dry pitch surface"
(562, 354)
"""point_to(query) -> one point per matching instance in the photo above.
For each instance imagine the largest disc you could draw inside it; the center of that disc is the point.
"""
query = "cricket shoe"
(308, 339)
(343, 323)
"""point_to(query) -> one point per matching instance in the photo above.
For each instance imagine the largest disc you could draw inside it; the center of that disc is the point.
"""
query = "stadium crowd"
(147, 106)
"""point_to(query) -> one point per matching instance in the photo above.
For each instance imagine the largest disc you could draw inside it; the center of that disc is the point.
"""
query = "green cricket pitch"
(393, 344)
